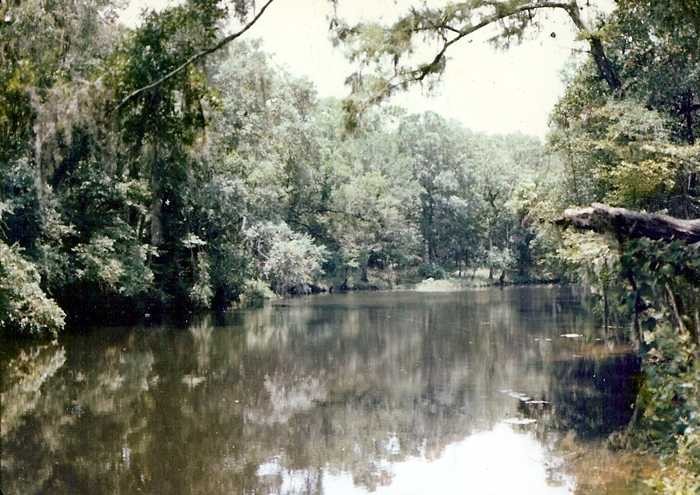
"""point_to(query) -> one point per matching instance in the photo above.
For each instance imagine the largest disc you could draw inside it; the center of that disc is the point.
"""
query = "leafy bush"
(255, 293)
(681, 473)
(500, 259)
(666, 275)
(24, 307)
(201, 293)
(218, 212)
(230, 266)
(20, 215)
(287, 259)
(431, 270)
(118, 266)
(669, 399)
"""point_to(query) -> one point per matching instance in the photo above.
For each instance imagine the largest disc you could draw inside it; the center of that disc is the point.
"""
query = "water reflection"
(383, 393)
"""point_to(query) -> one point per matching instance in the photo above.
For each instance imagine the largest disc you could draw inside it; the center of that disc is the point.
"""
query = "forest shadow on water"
(484, 391)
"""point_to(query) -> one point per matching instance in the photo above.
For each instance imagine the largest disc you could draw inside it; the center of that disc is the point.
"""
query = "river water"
(480, 392)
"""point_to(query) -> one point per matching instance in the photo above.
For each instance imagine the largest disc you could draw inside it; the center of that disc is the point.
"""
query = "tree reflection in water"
(392, 392)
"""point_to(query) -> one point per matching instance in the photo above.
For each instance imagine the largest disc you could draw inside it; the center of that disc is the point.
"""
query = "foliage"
(663, 294)
(627, 151)
(24, 307)
(682, 475)
(394, 52)
(288, 260)
(255, 293)
(201, 293)
(500, 259)
(164, 201)
(230, 179)
(431, 270)
(636, 148)
(594, 259)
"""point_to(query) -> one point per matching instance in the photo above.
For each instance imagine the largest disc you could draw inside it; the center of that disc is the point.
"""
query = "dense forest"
(174, 165)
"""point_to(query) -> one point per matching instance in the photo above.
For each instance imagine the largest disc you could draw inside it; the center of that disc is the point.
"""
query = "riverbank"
(410, 280)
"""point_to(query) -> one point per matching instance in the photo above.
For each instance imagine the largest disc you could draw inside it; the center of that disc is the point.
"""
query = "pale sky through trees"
(488, 90)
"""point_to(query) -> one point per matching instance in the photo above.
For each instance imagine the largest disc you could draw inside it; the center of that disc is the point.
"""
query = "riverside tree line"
(172, 165)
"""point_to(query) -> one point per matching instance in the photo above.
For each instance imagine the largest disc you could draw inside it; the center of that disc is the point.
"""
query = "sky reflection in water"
(499, 461)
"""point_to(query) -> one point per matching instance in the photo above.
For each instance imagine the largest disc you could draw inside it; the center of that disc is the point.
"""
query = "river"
(483, 391)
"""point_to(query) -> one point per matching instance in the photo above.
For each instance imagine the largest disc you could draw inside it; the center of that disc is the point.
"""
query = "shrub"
(201, 293)
(286, 259)
(24, 307)
(431, 270)
(117, 266)
(255, 293)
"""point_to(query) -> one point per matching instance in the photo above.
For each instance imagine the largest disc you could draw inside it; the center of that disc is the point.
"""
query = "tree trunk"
(687, 109)
(427, 227)
(156, 221)
(606, 310)
(636, 326)
(606, 69)
(426, 250)
(363, 272)
(156, 217)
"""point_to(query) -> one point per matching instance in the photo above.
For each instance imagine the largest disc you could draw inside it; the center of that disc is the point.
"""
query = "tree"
(440, 164)
(241, 9)
(373, 196)
(24, 307)
(659, 42)
(638, 147)
(390, 50)
(287, 260)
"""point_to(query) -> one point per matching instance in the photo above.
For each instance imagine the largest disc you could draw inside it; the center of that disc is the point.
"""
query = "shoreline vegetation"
(378, 280)
(166, 168)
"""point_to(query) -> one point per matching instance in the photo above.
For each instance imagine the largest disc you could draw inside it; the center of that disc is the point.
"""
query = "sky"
(487, 90)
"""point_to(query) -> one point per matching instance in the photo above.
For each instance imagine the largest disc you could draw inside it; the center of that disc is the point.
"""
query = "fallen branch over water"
(628, 224)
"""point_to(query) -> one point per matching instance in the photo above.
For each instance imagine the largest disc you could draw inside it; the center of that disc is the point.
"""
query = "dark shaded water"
(397, 392)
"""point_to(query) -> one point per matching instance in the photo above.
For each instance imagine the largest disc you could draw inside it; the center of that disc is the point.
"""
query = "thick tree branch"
(605, 67)
(424, 70)
(628, 224)
(197, 56)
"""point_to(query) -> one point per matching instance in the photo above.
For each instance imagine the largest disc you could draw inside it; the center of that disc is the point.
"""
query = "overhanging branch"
(628, 224)
(605, 67)
(423, 71)
(197, 56)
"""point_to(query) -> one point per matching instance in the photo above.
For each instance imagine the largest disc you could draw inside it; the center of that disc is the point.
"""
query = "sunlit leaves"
(24, 307)
(287, 259)
(114, 265)
(633, 183)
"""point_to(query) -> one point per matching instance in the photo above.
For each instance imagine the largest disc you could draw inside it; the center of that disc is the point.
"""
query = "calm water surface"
(403, 393)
